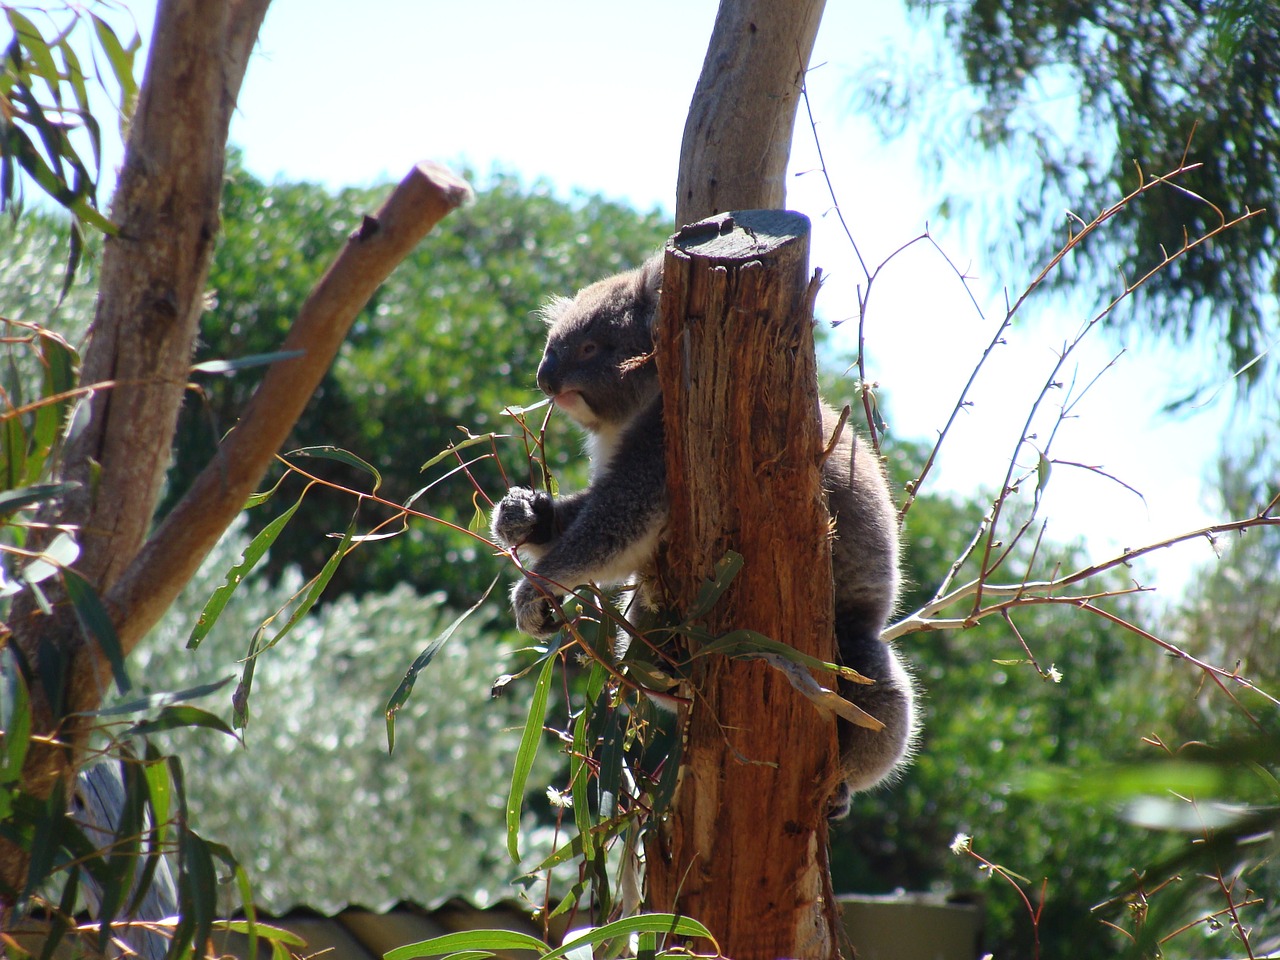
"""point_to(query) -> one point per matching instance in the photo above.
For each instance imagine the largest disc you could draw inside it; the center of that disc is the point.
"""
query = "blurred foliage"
(1066, 97)
(425, 823)
(449, 341)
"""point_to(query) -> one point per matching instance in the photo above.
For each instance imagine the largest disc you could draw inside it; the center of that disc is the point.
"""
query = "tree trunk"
(743, 847)
(151, 293)
(737, 138)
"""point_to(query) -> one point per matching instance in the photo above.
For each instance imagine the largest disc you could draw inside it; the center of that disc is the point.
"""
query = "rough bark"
(737, 137)
(743, 847)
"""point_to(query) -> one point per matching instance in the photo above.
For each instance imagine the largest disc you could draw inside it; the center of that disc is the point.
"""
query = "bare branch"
(176, 549)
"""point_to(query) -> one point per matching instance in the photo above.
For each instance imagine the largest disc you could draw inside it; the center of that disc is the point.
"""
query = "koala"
(598, 368)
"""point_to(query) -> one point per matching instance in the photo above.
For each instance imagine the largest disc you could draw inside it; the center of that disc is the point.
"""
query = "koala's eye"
(588, 350)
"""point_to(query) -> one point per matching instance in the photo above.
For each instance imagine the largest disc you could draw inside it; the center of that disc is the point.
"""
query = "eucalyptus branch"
(989, 564)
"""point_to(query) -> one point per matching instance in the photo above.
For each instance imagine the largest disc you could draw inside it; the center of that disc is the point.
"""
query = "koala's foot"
(523, 516)
(841, 802)
(534, 612)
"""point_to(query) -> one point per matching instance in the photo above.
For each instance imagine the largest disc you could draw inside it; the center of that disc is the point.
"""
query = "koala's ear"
(649, 283)
(554, 309)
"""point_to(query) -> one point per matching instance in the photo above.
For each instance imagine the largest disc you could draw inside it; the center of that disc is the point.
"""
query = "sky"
(592, 96)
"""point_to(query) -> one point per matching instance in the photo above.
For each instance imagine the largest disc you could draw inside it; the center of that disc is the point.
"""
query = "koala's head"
(598, 365)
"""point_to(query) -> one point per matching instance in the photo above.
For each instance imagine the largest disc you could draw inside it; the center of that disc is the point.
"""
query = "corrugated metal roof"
(355, 933)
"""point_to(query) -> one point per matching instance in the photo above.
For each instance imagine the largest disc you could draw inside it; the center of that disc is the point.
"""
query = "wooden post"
(743, 847)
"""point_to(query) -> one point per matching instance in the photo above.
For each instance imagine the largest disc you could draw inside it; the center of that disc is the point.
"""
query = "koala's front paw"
(534, 613)
(523, 516)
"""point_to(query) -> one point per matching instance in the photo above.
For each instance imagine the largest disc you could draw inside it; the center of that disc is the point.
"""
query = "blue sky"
(592, 96)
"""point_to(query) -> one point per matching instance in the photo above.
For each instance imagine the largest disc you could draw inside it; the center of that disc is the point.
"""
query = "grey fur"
(598, 366)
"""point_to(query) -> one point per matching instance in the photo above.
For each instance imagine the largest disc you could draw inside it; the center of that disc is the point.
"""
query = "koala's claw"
(534, 612)
(840, 802)
(523, 516)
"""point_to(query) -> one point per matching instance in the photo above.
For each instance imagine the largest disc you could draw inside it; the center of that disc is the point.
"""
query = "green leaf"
(468, 941)
(96, 622)
(527, 753)
(240, 698)
(235, 576)
(668, 923)
(278, 948)
(173, 718)
(37, 48)
(744, 644)
(197, 893)
(727, 567)
(160, 787)
(401, 694)
(13, 500)
(612, 749)
(245, 363)
(326, 452)
(154, 700)
(264, 930)
(257, 499)
(579, 769)
(1043, 468)
(453, 448)
(86, 212)
(317, 585)
(1110, 783)
(15, 739)
(121, 58)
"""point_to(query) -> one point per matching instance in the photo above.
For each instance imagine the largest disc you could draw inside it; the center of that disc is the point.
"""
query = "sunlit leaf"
(235, 576)
(245, 363)
(469, 940)
(59, 554)
(453, 448)
(527, 753)
(667, 923)
(327, 452)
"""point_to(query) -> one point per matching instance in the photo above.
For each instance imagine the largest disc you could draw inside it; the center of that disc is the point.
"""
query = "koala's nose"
(549, 373)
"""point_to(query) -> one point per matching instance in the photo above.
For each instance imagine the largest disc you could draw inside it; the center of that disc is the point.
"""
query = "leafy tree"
(448, 341)
(990, 721)
(1073, 95)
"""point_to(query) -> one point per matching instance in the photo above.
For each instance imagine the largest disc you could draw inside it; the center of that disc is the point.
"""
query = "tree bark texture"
(737, 137)
(743, 847)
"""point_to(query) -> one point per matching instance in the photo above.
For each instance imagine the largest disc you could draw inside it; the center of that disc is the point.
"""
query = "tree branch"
(177, 548)
(737, 138)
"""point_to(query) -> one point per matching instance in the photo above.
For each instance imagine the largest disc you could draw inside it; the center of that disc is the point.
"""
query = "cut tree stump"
(743, 846)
